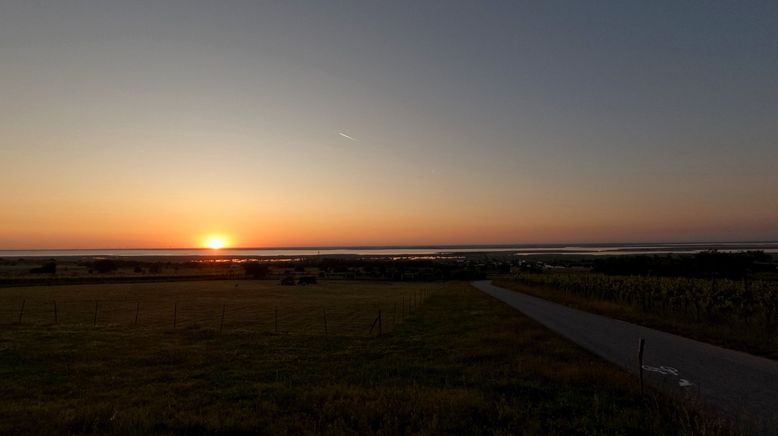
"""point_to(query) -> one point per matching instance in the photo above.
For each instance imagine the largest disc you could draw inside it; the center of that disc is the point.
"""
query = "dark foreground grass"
(462, 364)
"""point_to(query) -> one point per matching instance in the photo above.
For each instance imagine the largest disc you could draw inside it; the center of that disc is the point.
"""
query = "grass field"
(350, 308)
(461, 363)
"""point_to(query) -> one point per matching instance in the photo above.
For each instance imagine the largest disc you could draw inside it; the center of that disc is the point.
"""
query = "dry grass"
(462, 364)
(350, 307)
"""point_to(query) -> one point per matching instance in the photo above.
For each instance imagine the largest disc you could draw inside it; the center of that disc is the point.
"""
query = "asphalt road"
(738, 385)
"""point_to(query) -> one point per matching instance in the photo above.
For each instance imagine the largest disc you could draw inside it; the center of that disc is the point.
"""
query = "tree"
(104, 266)
(256, 270)
(47, 268)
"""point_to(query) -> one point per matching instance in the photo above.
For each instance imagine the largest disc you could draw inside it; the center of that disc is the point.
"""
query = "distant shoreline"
(405, 250)
(427, 246)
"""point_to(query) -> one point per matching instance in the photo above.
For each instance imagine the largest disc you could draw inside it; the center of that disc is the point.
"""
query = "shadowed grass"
(351, 306)
(463, 363)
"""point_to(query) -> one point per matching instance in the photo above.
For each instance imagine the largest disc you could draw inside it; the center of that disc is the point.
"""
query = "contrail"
(346, 136)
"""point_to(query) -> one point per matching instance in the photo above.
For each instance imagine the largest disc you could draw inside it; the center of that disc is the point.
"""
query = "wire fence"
(354, 319)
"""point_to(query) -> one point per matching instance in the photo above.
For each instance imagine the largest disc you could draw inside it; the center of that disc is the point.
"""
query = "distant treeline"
(735, 266)
(395, 269)
(348, 268)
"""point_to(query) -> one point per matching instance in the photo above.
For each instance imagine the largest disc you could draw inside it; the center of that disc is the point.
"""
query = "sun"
(215, 242)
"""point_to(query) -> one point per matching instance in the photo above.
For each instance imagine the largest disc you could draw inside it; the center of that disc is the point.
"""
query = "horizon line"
(413, 246)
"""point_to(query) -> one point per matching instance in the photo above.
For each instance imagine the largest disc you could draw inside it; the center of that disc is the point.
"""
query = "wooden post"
(21, 311)
(137, 311)
(94, 322)
(221, 323)
(324, 312)
(175, 313)
(372, 326)
(276, 319)
(55, 312)
(641, 345)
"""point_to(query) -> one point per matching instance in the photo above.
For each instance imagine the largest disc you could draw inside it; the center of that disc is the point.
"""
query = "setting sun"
(215, 242)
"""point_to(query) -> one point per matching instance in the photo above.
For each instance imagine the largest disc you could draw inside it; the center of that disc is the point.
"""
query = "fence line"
(362, 319)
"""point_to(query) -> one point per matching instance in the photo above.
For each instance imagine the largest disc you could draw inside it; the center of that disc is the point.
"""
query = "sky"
(288, 123)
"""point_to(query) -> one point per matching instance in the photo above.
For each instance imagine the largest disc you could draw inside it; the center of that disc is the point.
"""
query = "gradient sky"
(155, 123)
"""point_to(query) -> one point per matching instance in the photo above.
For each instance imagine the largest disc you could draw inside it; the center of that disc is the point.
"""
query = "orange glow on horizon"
(215, 242)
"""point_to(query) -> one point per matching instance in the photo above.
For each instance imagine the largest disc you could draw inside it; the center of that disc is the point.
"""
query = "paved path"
(739, 385)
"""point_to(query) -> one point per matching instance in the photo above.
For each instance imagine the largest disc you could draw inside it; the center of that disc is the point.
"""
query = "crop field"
(333, 308)
(460, 363)
(741, 314)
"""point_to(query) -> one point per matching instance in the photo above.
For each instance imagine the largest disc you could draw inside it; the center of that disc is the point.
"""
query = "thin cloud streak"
(346, 136)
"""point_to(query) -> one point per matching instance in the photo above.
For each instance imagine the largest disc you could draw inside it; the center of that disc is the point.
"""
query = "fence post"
(175, 313)
(375, 321)
(221, 323)
(641, 345)
(94, 322)
(276, 319)
(55, 312)
(137, 311)
(21, 311)
(324, 312)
